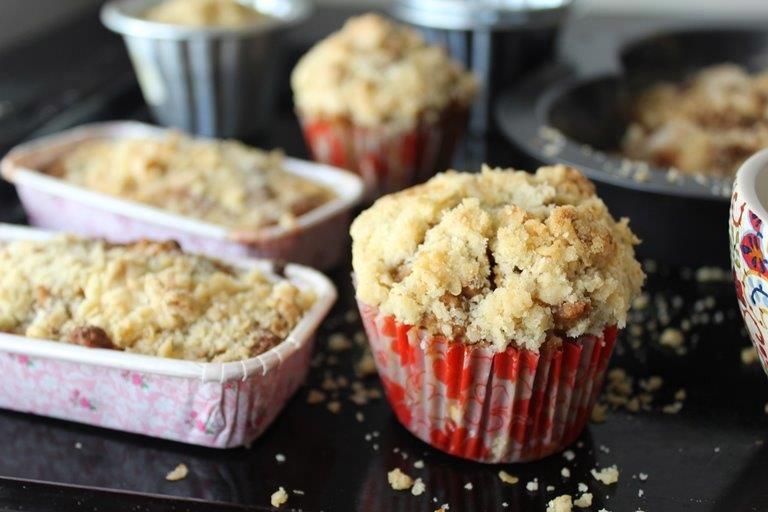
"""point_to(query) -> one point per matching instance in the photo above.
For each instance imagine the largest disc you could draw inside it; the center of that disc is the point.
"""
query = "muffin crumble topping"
(498, 256)
(146, 297)
(374, 71)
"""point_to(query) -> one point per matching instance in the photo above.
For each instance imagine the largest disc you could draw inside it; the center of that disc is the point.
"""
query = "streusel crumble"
(498, 257)
(147, 297)
(375, 72)
(222, 182)
(710, 123)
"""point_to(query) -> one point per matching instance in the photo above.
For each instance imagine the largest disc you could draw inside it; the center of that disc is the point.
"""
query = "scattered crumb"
(598, 413)
(78, 445)
(533, 485)
(748, 355)
(641, 301)
(279, 497)
(334, 406)
(298, 492)
(359, 417)
(609, 475)
(366, 365)
(569, 455)
(633, 404)
(178, 473)
(339, 342)
(680, 395)
(563, 503)
(582, 487)
(315, 396)
(419, 464)
(398, 480)
(717, 449)
(672, 337)
(643, 477)
(350, 316)
(507, 478)
(584, 501)
(710, 274)
(640, 493)
(280, 458)
(672, 408)
(468, 486)
(418, 487)
(652, 383)
(550, 488)
(565, 472)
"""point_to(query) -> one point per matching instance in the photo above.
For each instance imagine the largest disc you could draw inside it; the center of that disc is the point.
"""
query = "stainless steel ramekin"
(210, 81)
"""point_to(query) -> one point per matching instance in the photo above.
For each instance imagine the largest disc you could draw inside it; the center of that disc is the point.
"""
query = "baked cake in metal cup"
(492, 303)
(375, 98)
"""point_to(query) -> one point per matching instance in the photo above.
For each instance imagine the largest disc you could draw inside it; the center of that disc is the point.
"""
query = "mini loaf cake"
(498, 258)
(204, 13)
(147, 297)
(222, 182)
(708, 124)
(374, 72)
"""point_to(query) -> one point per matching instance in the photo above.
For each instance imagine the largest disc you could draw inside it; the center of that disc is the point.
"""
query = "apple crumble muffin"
(375, 72)
(498, 257)
(710, 123)
(146, 297)
(223, 182)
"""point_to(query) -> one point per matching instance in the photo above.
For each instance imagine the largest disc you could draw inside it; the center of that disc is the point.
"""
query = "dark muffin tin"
(557, 116)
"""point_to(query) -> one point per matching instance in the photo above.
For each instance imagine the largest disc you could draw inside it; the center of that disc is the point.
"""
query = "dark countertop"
(708, 457)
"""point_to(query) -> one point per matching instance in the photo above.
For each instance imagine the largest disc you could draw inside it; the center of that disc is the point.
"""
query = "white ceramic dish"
(747, 228)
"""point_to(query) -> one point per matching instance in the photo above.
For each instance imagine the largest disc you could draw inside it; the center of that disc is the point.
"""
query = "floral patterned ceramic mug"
(749, 248)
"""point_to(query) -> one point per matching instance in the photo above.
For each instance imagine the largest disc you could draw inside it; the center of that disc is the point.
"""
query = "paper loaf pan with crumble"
(318, 239)
(220, 405)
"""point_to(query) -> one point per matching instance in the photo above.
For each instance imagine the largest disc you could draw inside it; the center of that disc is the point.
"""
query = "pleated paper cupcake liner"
(387, 159)
(479, 404)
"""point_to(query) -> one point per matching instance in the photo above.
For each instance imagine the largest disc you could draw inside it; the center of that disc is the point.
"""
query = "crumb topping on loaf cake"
(204, 13)
(708, 124)
(498, 257)
(375, 72)
(222, 182)
(146, 297)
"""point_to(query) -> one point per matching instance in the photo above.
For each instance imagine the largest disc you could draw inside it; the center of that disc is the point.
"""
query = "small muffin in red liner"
(496, 407)
(376, 99)
(492, 302)
(387, 159)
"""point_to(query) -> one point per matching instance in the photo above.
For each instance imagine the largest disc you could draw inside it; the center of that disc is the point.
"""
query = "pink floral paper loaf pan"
(125, 180)
(211, 398)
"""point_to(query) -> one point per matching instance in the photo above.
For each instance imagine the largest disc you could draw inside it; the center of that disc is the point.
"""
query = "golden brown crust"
(497, 257)
(375, 72)
(223, 182)
(146, 297)
(710, 123)
(204, 13)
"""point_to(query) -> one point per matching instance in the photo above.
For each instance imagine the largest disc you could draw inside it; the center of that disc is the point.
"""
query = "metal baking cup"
(212, 81)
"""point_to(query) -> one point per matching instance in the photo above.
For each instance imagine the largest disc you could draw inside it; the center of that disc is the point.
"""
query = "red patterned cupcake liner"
(387, 159)
(495, 407)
